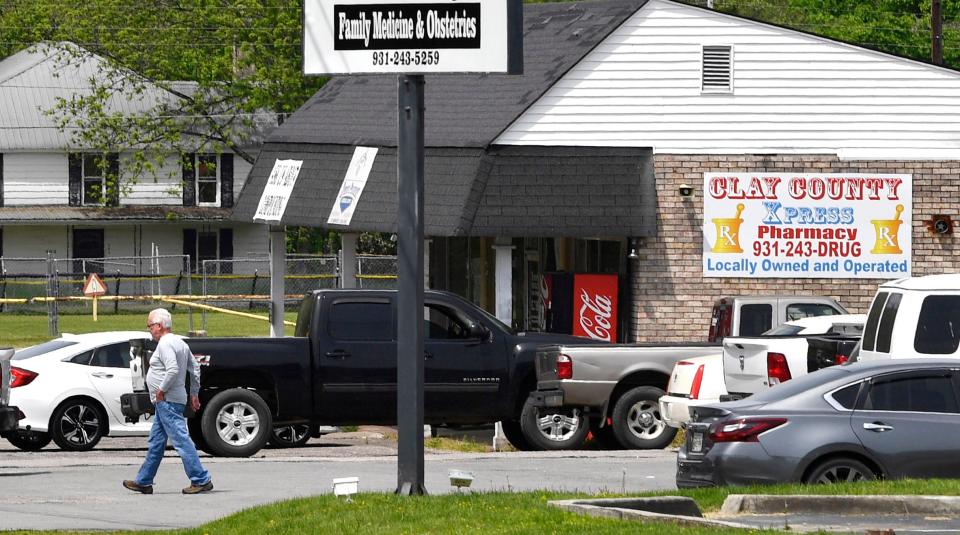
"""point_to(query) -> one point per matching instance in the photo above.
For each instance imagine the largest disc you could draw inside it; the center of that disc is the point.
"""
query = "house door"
(88, 243)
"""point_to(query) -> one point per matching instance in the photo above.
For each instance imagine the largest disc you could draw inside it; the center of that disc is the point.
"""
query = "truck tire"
(563, 428)
(637, 423)
(292, 436)
(196, 432)
(514, 434)
(236, 423)
(28, 440)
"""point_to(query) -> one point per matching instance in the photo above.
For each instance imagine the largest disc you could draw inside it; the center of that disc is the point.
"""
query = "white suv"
(915, 317)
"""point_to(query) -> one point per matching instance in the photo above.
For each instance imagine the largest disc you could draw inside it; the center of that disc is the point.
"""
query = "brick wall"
(672, 300)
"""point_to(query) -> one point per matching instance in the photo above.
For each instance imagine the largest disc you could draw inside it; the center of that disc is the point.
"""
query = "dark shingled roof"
(471, 187)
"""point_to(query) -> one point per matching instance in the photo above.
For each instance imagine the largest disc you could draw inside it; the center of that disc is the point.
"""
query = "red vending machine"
(582, 304)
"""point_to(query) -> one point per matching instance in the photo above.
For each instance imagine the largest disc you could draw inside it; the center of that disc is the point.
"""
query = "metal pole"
(51, 292)
(410, 285)
(278, 271)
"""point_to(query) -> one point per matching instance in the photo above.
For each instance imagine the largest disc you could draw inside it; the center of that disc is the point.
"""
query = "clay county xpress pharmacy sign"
(806, 225)
(357, 36)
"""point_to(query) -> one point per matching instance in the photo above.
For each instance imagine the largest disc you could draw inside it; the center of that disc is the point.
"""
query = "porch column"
(278, 270)
(348, 260)
(503, 281)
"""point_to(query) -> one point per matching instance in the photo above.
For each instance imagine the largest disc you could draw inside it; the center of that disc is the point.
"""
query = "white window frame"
(198, 178)
(716, 90)
(84, 178)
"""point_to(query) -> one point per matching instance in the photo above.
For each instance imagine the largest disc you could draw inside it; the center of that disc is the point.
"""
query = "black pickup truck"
(8, 414)
(340, 368)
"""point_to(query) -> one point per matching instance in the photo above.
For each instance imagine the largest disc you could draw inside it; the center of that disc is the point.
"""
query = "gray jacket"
(169, 365)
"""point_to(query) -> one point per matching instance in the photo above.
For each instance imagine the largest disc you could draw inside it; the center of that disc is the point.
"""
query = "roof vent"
(717, 69)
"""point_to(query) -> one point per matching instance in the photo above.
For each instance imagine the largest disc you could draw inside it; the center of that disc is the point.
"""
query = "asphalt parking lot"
(53, 489)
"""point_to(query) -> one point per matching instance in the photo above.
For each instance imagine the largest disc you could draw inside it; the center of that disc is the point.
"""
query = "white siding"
(792, 93)
(241, 170)
(35, 178)
(251, 241)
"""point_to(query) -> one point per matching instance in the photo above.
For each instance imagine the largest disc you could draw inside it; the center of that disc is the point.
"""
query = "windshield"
(801, 384)
(783, 330)
(40, 349)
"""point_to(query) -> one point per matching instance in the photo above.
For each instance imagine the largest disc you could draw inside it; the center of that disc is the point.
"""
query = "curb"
(675, 509)
(736, 504)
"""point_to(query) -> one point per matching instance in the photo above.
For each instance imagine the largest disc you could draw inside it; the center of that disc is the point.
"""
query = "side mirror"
(477, 330)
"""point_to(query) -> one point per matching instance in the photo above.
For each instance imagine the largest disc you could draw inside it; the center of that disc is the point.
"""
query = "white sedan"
(69, 389)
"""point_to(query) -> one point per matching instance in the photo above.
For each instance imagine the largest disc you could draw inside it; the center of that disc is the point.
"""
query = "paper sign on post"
(273, 200)
(352, 186)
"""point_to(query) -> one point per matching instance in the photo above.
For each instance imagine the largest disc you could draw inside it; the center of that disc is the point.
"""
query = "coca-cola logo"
(601, 309)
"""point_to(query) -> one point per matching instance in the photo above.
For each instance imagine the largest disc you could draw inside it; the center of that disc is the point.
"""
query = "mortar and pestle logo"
(728, 233)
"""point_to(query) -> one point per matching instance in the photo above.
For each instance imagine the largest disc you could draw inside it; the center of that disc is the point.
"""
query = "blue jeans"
(169, 422)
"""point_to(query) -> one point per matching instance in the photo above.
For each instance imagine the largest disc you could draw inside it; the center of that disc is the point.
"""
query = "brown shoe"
(137, 487)
(197, 489)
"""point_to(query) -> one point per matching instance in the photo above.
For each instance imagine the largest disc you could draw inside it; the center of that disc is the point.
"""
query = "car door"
(463, 368)
(357, 361)
(910, 421)
(109, 373)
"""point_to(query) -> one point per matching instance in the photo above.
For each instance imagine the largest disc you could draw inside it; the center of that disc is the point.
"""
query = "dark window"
(938, 327)
(873, 319)
(112, 356)
(366, 321)
(82, 358)
(442, 324)
(799, 311)
(930, 393)
(94, 186)
(208, 180)
(886, 322)
(846, 397)
(206, 247)
(784, 330)
(41, 349)
(755, 319)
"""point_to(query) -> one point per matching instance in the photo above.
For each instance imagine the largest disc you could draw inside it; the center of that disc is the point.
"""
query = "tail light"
(564, 367)
(697, 379)
(719, 322)
(840, 359)
(21, 377)
(743, 429)
(777, 369)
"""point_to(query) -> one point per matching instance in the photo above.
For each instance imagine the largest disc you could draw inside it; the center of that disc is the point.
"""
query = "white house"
(53, 198)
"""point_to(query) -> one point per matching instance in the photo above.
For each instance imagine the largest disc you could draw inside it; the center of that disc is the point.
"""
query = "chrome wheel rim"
(559, 427)
(291, 434)
(80, 425)
(644, 420)
(842, 474)
(238, 423)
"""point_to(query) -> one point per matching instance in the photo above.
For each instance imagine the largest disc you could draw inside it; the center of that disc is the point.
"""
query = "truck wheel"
(236, 423)
(637, 423)
(513, 432)
(196, 432)
(28, 440)
(563, 428)
(292, 436)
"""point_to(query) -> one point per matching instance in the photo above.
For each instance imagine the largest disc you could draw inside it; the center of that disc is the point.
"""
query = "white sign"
(352, 186)
(94, 287)
(412, 36)
(273, 200)
(833, 225)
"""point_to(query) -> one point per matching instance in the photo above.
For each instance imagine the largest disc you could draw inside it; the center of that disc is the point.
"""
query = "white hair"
(162, 316)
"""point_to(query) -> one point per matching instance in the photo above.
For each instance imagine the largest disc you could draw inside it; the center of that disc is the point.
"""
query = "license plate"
(696, 442)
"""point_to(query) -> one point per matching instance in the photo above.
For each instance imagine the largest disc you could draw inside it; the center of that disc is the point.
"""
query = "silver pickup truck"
(613, 391)
(8, 414)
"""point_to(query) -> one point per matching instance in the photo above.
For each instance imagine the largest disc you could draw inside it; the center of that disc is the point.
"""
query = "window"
(755, 319)
(799, 311)
(938, 327)
(208, 180)
(717, 69)
(364, 321)
(112, 356)
(94, 186)
(206, 247)
(873, 319)
(442, 324)
(41, 349)
(783, 330)
(846, 397)
(82, 359)
(885, 331)
(926, 393)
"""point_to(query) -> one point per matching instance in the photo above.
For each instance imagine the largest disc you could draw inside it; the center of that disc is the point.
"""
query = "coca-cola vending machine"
(583, 304)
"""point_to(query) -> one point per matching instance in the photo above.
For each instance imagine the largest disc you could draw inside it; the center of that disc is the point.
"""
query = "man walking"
(166, 380)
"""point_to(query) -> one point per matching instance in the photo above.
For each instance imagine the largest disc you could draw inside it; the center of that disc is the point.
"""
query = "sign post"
(94, 287)
(411, 38)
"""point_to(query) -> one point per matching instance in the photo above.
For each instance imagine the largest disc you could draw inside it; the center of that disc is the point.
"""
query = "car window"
(801, 384)
(305, 316)
(885, 331)
(755, 319)
(926, 393)
(855, 329)
(846, 397)
(360, 321)
(40, 349)
(938, 326)
(442, 324)
(873, 319)
(112, 356)
(82, 358)
(784, 330)
(798, 311)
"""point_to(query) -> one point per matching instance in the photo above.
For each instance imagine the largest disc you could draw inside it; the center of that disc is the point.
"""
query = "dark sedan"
(867, 420)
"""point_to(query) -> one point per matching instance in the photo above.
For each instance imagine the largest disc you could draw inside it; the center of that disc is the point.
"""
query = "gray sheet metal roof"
(471, 187)
(44, 214)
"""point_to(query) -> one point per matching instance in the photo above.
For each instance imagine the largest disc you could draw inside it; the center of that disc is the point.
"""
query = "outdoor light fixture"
(635, 243)
(346, 486)
(460, 479)
(685, 190)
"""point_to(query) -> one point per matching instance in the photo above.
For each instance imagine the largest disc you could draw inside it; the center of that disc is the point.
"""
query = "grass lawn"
(19, 330)
(502, 512)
